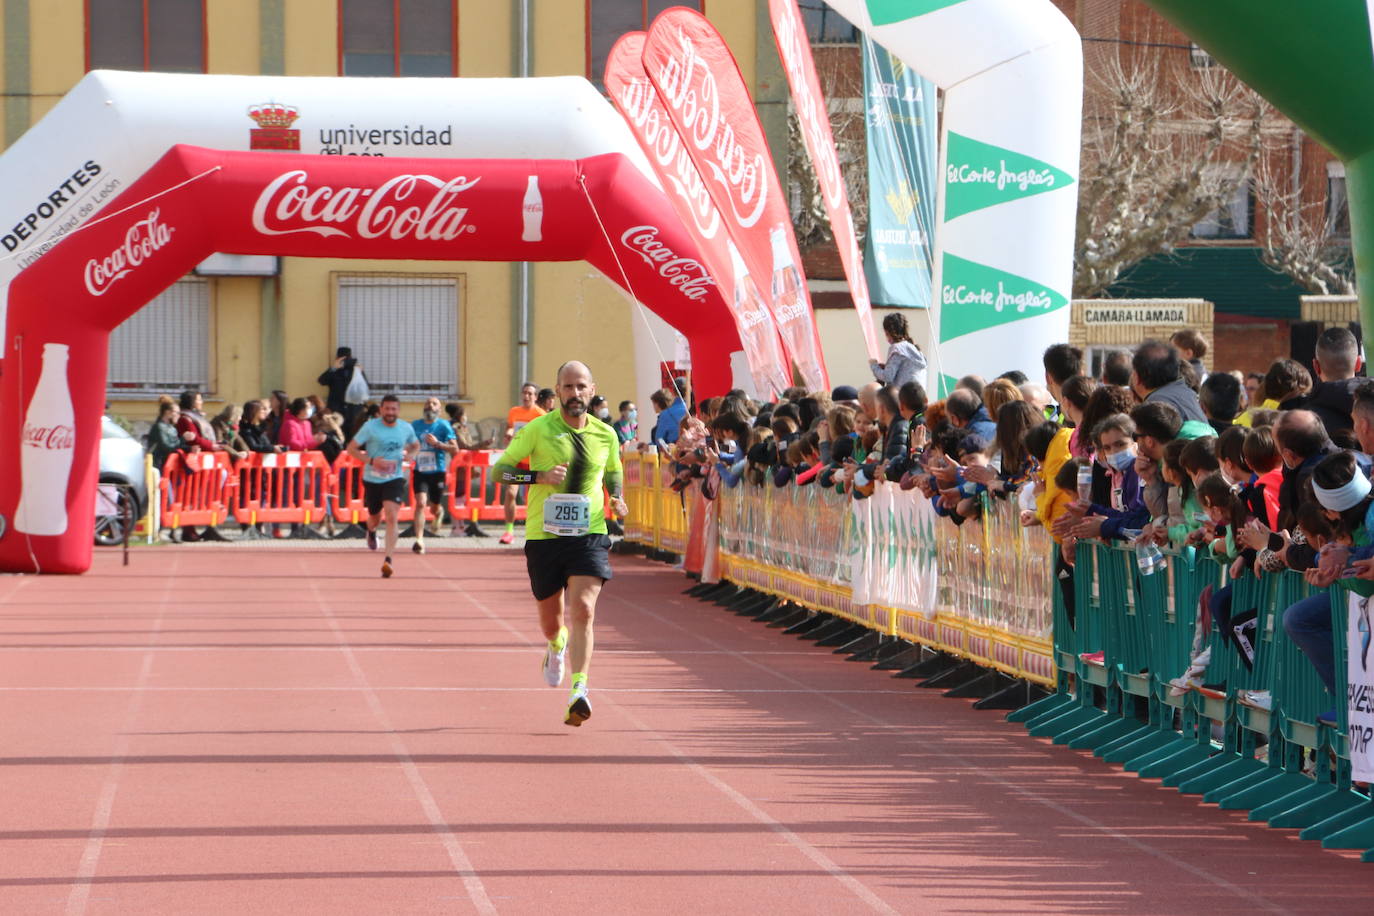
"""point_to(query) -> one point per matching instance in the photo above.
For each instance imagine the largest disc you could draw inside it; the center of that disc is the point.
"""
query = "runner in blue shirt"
(388, 443)
(437, 443)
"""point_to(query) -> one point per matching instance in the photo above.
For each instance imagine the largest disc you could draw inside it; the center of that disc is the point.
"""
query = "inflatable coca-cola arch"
(195, 201)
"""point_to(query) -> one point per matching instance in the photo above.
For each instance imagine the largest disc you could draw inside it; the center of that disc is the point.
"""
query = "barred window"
(164, 347)
(404, 331)
(607, 20)
(162, 35)
(824, 26)
(398, 37)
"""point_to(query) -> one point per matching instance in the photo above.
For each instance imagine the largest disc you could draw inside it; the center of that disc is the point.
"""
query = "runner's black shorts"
(551, 561)
(432, 484)
(390, 491)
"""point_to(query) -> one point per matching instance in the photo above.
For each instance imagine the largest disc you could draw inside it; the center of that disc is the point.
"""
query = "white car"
(124, 485)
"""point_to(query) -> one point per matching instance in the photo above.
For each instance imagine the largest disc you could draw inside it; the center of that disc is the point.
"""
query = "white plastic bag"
(357, 392)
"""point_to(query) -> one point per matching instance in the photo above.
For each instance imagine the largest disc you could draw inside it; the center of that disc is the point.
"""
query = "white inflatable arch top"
(1012, 74)
(113, 125)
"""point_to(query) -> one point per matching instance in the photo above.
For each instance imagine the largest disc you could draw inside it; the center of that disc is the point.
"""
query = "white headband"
(1347, 496)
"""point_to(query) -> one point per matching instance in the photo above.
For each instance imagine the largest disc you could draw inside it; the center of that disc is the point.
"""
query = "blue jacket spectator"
(672, 410)
(966, 411)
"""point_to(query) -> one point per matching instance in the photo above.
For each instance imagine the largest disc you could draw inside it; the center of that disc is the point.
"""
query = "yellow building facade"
(280, 332)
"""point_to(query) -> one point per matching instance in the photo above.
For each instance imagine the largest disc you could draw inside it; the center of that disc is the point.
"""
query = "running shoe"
(386, 568)
(579, 709)
(372, 540)
(555, 654)
(418, 547)
(507, 538)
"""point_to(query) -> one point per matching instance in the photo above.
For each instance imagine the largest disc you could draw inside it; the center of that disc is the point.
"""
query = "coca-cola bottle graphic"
(533, 212)
(45, 451)
(788, 300)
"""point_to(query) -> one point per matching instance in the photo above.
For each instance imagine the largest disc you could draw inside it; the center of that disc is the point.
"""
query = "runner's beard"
(574, 407)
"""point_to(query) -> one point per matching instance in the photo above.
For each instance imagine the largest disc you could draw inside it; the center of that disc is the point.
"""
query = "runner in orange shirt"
(516, 418)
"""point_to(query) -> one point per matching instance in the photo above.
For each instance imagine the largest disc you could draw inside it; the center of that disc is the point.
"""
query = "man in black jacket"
(1337, 360)
(336, 379)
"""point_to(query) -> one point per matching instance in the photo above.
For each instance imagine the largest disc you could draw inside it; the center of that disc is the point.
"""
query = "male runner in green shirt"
(572, 457)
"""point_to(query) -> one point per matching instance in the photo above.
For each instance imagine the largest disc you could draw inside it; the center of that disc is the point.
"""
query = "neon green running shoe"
(579, 707)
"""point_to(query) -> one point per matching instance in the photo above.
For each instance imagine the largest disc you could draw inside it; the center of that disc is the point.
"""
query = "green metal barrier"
(1219, 741)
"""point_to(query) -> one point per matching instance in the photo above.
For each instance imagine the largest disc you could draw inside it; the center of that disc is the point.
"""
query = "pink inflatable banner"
(795, 50)
(637, 100)
(193, 202)
(705, 96)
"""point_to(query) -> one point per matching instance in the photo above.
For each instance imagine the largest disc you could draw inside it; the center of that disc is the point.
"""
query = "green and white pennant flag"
(886, 12)
(974, 296)
(979, 175)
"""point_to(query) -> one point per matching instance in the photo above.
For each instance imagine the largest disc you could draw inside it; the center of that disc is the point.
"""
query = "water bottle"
(1085, 482)
(1149, 558)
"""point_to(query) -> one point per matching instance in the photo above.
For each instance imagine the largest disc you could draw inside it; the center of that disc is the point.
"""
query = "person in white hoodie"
(905, 361)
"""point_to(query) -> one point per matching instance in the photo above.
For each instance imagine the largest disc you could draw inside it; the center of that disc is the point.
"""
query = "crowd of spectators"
(1266, 472)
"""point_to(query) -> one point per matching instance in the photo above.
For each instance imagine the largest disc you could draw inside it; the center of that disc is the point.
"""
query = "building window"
(163, 35)
(164, 347)
(1337, 203)
(404, 331)
(824, 26)
(398, 37)
(1231, 221)
(607, 20)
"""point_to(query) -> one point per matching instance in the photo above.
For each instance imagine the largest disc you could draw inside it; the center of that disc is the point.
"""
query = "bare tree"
(1164, 146)
(836, 68)
(1298, 238)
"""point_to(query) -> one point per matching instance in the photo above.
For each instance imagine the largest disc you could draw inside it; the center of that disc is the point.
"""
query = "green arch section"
(1314, 62)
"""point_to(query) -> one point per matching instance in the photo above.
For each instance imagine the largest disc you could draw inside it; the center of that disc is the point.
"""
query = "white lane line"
(80, 893)
(820, 859)
(477, 893)
(983, 772)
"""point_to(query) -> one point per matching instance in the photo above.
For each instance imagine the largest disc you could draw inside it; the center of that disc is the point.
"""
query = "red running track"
(228, 730)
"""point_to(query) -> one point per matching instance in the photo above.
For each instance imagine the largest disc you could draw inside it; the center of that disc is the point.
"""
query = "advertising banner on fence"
(706, 98)
(1360, 688)
(637, 100)
(794, 47)
(902, 167)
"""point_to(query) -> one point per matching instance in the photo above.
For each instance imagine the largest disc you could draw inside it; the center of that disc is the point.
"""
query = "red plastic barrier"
(473, 494)
(349, 505)
(197, 488)
(285, 487)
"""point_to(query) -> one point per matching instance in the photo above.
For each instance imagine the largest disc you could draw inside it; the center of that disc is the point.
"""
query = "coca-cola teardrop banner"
(706, 98)
(794, 47)
(193, 202)
(637, 100)
(1012, 75)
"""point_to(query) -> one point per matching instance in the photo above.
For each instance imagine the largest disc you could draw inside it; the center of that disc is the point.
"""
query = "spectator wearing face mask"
(295, 434)
(1125, 510)
(598, 408)
(627, 427)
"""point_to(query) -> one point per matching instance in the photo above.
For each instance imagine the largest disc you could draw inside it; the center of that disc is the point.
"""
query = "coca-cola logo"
(141, 241)
(689, 89)
(644, 111)
(815, 125)
(421, 207)
(49, 437)
(687, 274)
